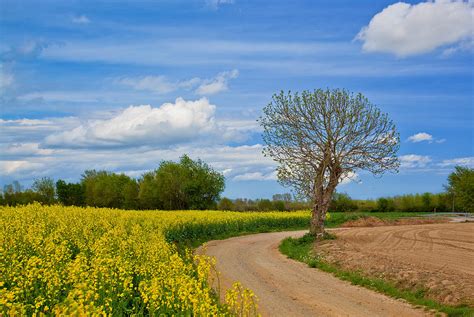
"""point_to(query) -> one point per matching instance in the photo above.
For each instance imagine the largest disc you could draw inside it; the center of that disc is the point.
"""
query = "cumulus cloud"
(217, 84)
(420, 137)
(171, 123)
(414, 161)
(82, 19)
(424, 137)
(404, 29)
(162, 85)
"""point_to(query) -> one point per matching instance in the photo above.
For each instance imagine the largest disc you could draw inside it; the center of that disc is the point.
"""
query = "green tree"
(385, 204)
(427, 202)
(106, 189)
(320, 137)
(461, 187)
(186, 184)
(342, 202)
(45, 189)
(225, 204)
(148, 197)
(70, 194)
(279, 205)
(264, 205)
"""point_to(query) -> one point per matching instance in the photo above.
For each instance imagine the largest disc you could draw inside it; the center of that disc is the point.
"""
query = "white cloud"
(82, 19)
(238, 130)
(423, 136)
(349, 178)
(25, 122)
(256, 176)
(11, 167)
(161, 85)
(168, 124)
(157, 84)
(6, 79)
(69, 96)
(419, 137)
(414, 161)
(404, 29)
(464, 161)
(216, 3)
(217, 84)
(22, 149)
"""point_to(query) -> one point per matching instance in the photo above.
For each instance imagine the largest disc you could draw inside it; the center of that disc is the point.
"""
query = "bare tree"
(321, 137)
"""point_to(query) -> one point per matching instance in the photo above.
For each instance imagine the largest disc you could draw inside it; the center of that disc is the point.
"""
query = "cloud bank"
(169, 124)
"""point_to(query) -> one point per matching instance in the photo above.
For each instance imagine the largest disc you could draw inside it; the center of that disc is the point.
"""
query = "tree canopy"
(461, 186)
(187, 184)
(320, 137)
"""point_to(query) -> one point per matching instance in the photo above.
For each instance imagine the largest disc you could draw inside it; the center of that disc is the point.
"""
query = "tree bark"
(322, 200)
(318, 215)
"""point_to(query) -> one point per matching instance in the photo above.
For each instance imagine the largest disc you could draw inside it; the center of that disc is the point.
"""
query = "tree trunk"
(318, 215)
(322, 200)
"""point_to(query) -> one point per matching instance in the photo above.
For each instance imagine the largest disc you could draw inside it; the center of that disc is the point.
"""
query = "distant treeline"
(342, 202)
(186, 184)
(190, 184)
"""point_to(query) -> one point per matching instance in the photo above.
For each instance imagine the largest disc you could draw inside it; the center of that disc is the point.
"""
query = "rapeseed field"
(57, 260)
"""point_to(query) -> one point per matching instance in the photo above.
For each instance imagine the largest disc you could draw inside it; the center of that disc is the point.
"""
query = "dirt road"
(290, 288)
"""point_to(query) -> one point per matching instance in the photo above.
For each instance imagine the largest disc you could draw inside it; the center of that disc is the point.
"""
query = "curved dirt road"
(289, 288)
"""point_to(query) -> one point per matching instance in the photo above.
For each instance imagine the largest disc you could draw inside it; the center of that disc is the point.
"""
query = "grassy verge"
(338, 218)
(301, 250)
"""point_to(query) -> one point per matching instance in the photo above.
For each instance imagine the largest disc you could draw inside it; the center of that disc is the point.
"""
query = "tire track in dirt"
(290, 288)
(435, 257)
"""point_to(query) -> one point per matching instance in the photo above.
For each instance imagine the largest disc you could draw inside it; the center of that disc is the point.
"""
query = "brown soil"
(289, 288)
(438, 258)
(377, 222)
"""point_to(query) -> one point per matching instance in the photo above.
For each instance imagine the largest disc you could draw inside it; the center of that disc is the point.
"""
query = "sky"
(122, 86)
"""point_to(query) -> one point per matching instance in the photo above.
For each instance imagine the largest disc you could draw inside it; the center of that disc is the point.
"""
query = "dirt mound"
(377, 222)
(436, 259)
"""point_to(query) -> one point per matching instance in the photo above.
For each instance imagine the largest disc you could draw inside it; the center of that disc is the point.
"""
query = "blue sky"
(121, 86)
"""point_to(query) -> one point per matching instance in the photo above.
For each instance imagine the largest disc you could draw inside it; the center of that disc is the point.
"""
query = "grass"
(338, 218)
(301, 250)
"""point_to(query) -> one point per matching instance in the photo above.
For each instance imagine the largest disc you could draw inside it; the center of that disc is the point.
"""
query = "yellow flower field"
(90, 261)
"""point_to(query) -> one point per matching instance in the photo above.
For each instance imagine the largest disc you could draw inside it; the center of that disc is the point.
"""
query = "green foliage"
(70, 194)
(106, 189)
(338, 218)
(342, 202)
(195, 233)
(45, 189)
(13, 195)
(264, 205)
(461, 186)
(225, 204)
(279, 205)
(187, 184)
(384, 205)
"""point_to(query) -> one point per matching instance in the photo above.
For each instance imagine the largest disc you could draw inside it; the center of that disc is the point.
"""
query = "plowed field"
(436, 258)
